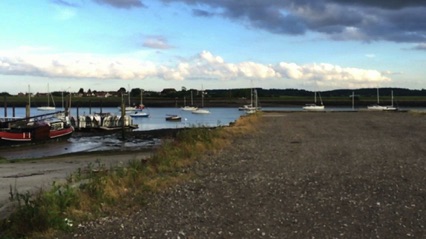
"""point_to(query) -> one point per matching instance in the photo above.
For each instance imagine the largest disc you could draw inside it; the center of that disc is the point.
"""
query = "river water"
(156, 120)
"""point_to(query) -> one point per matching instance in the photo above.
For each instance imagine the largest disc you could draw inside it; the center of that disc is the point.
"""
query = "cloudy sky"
(220, 44)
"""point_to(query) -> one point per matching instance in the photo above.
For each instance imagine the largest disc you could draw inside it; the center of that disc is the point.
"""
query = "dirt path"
(36, 174)
(301, 175)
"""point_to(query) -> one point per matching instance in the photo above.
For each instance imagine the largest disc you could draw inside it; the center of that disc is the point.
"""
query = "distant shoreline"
(11, 102)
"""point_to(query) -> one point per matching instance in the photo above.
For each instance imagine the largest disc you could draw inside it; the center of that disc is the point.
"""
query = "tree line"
(246, 92)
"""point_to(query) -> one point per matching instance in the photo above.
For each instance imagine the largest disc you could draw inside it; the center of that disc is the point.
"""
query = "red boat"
(34, 130)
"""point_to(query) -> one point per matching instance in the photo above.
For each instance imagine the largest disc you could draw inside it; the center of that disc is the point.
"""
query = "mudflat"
(299, 175)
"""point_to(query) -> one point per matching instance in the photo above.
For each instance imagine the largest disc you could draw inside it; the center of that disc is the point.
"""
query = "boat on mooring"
(139, 114)
(37, 129)
(173, 118)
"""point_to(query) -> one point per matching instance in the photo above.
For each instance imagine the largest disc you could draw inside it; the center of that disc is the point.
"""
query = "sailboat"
(253, 107)
(391, 107)
(186, 107)
(378, 107)
(250, 107)
(48, 107)
(128, 107)
(314, 106)
(201, 110)
(141, 106)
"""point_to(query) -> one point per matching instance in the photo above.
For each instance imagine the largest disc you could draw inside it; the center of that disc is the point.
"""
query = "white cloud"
(156, 42)
(332, 76)
(203, 66)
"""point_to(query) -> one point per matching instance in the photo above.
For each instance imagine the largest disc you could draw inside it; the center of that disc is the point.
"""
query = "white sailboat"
(378, 107)
(48, 107)
(201, 110)
(141, 106)
(128, 107)
(187, 107)
(391, 107)
(252, 107)
(314, 106)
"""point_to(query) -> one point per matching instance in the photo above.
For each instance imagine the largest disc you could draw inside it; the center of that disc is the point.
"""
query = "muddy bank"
(88, 142)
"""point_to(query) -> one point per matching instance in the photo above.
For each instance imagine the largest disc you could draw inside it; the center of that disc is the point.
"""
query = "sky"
(103, 45)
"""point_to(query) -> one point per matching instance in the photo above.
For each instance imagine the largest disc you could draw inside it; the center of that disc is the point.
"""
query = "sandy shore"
(300, 175)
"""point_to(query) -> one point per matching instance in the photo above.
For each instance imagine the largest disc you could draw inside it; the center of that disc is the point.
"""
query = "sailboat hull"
(188, 108)
(201, 111)
(381, 108)
(46, 108)
(314, 107)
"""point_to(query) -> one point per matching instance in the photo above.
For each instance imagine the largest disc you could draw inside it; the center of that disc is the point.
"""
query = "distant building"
(103, 94)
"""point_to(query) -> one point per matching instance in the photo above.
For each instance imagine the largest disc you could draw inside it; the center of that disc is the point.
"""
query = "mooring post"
(78, 117)
(5, 106)
(123, 114)
(27, 110)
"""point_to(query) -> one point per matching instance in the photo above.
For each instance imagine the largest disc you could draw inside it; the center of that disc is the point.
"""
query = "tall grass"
(103, 190)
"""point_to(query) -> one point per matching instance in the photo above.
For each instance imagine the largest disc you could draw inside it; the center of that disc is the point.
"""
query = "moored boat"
(48, 107)
(189, 108)
(33, 130)
(378, 107)
(173, 118)
(314, 106)
(139, 114)
(201, 111)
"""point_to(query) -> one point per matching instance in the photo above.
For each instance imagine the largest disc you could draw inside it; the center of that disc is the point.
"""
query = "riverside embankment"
(300, 175)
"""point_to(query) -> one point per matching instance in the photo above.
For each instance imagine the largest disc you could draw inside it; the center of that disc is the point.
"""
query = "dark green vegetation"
(229, 98)
(101, 190)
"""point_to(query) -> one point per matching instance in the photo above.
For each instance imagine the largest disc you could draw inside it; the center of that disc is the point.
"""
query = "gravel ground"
(300, 175)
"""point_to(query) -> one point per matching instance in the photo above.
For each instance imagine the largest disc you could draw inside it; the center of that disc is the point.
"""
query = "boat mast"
(141, 103)
(251, 97)
(48, 95)
(128, 86)
(202, 97)
(29, 95)
(28, 108)
(255, 99)
(378, 101)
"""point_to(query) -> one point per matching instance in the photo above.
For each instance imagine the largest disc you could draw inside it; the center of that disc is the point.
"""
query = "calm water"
(156, 120)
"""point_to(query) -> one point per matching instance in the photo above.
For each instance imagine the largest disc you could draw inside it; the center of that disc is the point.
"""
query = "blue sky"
(221, 44)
